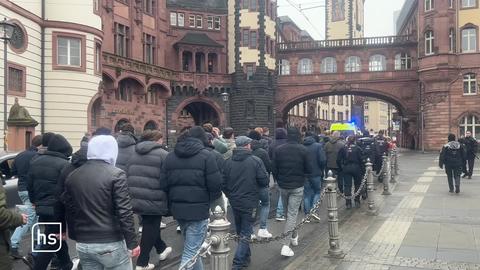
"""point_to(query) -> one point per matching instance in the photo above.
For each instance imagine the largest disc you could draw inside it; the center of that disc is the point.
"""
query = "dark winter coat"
(471, 147)
(452, 155)
(332, 147)
(316, 155)
(350, 159)
(8, 220)
(192, 180)
(280, 139)
(20, 167)
(244, 174)
(290, 164)
(126, 148)
(143, 172)
(44, 175)
(261, 153)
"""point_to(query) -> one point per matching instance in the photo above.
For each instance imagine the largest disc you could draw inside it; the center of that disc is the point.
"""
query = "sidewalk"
(420, 226)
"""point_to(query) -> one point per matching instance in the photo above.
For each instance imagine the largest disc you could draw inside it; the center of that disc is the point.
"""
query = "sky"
(378, 16)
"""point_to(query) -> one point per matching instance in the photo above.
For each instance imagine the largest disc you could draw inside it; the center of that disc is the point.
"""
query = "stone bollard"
(386, 176)
(372, 209)
(391, 167)
(220, 250)
(332, 209)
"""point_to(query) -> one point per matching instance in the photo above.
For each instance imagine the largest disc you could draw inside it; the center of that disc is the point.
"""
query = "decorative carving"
(341, 86)
(19, 116)
(433, 98)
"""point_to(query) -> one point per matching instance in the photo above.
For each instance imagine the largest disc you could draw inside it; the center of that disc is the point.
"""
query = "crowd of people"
(98, 191)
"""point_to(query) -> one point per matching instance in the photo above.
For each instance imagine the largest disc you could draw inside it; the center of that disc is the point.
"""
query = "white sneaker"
(163, 225)
(75, 262)
(264, 233)
(150, 266)
(163, 256)
(140, 229)
(253, 236)
(294, 241)
(287, 251)
(280, 218)
(179, 230)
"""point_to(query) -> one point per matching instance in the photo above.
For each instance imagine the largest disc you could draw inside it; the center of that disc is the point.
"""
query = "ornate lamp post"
(225, 97)
(7, 29)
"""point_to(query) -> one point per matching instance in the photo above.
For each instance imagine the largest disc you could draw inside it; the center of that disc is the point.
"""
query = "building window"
(253, 5)
(122, 40)
(429, 5)
(403, 61)
(96, 6)
(469, 3)
(365, 106)
(470, 123)
(217, 23)
(377, 63)
(151, 97)
(69, 51)
(450, 3)
(191, 21)
(347, 114)
(199, 21)
(149, 6)
(246, 38)
(173, 18)
(304, 107)
(149, 45)
(353, 64)
(340, 116)
(329, 65)
(253, 40)
(245, 4)
(250, 70)
(469, 84)
(98, 58)
(181, 19)
(284, 67)
(346, 100)
(124, 92)
(210, 22)
(305, 66)
(333, 100)
(429, 38)
(16, 79)
(365, 119)
(451, 40)
(469, 40)
(340, 100)
(333, 115)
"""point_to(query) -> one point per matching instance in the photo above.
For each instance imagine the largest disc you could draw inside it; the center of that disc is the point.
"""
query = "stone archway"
(197, 111)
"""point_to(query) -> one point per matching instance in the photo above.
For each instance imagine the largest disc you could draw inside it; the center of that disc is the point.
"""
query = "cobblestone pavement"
(420, 226)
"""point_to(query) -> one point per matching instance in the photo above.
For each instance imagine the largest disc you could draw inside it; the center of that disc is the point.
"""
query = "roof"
(204, 5)
(403, 17)
(199, 39)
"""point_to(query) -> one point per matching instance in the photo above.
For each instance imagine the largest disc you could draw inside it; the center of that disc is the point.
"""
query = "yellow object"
(343, 127)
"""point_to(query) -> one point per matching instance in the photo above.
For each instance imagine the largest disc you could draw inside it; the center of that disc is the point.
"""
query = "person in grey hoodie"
(332, 147)
(126, 146)
(453, 157)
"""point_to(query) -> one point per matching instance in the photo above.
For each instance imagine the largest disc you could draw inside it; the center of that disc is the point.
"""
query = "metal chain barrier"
(382, 170)
(282, 236)
(357, 193)
(202, 252)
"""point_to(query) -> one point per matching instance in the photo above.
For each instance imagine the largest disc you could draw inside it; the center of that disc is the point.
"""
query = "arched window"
(403, 61)
(305, 66)
(469, 40)
(377, 63)
(95, 113)
(329, 65)
(353, 64)
(469, 84)
(284, 67)
(470, 123)
(151, 97)
(429, 42)
(120, 124)
(150, 125)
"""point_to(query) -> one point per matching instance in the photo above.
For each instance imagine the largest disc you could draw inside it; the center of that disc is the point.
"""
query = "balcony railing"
(347, 43)
(116, 61)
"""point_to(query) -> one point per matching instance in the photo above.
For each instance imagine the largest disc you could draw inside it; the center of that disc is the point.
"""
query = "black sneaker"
(28, 261)
(464, 175)
(469, 177)
(15, 254)
(457, 189)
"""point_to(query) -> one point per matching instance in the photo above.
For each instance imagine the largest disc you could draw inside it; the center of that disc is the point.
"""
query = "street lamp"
(225, 97)
(7, 29)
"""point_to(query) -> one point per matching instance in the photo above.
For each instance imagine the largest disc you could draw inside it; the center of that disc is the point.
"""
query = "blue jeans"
(280, 212)
(311, 193)
(194, 233)
(244, 227)
(264, 206)
(112, 256)
(32, 218)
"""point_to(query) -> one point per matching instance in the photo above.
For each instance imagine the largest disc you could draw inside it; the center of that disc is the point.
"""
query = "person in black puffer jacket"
(260, 152)
(453, 157)
(244, 176)
(44, 175)
(192, 180)
(126, 146)
(280, 139)
(291, 167)
(148, 200)
(314, 184)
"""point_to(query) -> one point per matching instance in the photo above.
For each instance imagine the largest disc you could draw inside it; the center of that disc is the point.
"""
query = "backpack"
(452, 156)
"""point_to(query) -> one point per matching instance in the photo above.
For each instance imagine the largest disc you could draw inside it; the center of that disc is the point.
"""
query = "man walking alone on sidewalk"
(291, 167)
(244, 176)
(471, 149)
(452, 156)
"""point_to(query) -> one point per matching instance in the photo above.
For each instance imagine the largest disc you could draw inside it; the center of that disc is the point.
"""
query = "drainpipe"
(42, 71)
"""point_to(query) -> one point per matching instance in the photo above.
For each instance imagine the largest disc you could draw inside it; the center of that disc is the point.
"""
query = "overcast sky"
(378, 16)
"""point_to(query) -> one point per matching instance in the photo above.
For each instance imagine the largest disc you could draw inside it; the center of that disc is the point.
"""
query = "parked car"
(9, 180)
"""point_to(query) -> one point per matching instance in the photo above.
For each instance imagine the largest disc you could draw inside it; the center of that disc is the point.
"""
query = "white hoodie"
(103, 147)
